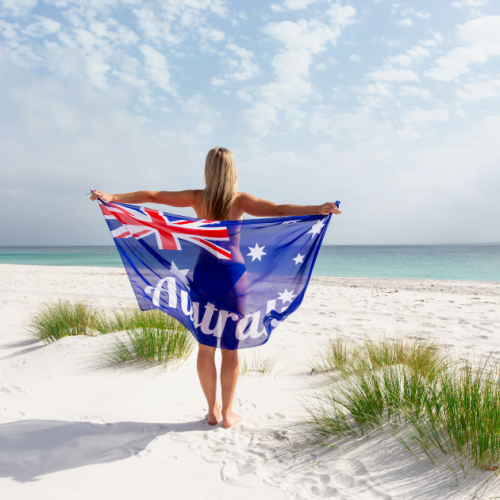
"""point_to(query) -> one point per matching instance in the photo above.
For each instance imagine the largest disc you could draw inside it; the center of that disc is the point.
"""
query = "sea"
(476, 262)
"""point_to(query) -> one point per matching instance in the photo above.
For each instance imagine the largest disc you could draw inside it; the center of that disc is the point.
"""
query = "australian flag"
(230, 283)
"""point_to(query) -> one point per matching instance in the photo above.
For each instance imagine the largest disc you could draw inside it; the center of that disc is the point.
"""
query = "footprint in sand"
(5, 412)
(240, 473)
(273, 416)
(11, 389)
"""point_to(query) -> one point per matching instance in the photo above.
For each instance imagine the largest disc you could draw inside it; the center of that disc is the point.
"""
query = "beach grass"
(257, 362)
(152, 336)
(152, 344)
(61, 319)
(448, 409)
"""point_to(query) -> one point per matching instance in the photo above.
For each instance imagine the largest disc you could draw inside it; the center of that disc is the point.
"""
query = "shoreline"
(334, 280)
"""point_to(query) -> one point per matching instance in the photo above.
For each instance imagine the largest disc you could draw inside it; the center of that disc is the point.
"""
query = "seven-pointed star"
(316, 228)
(286, 296)
(180, 273)
(257, 252)
(299, 259)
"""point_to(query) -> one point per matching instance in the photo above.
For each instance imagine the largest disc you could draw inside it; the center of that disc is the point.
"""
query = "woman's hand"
(102, 195)
(328, 208)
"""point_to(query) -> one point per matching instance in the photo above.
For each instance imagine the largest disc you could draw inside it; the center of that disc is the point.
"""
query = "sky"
(391, 108)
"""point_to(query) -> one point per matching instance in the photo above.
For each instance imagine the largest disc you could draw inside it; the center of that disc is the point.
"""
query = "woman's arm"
(261, 208)
(188, 198)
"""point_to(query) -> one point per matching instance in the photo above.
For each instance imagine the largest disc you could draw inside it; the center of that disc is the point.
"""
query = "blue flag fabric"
(230, 283)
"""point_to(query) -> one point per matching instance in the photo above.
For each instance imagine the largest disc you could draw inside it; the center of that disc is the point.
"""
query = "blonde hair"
(221, 179)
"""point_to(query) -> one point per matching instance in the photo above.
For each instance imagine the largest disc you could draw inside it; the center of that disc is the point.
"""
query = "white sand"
(70, 429)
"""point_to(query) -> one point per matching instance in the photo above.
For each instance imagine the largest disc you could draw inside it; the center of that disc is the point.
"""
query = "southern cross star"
(299, 259)
(286, 296)
(180, 273)
(316, 229)
(257, 252)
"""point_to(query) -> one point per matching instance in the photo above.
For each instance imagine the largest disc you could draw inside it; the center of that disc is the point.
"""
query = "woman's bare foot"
(213, 416)
(230, 420)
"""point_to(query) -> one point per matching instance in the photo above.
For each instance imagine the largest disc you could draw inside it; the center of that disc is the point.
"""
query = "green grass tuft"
(62, 319)
(152, 336)
(257, 362)
(413, 390)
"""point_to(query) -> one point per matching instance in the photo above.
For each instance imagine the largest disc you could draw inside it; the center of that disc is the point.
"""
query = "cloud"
(17, 7)
(354, 58)
(397, 74)
(479, 90)
(394, 75)
(480, 42)
(156, 67)
(404, 22)
(300, 41)
(469, 3)
(372, 95)
(292, 5)
(409, 57)
(415, 91)
(242, 68)
(419, 116)
(61, 139)
(43, 27)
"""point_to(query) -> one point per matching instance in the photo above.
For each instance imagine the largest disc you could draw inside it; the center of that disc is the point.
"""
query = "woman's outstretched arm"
(188, 198)
(261, 208)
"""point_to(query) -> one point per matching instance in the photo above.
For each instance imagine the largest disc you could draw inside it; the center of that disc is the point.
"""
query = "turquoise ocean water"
(455, 262)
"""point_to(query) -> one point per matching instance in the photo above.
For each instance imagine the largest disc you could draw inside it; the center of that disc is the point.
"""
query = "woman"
(220, 200)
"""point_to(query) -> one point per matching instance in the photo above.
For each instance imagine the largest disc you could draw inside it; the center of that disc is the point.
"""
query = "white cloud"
(418, 116)
(241, 68)
(404, 22)
(481, 42)
(216, 82)
(18, 7)
(301, 41)
(9, 30)
(400, 74)
(479, 90)
(409, 57)
(470, 3)
(156, 67)
(354, 57)
(44, 26)
(394, 75)
(372, 95)
(292, 5)
(97, 69)
(415, 91)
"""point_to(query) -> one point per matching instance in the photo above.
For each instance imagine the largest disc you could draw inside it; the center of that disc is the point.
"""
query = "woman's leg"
(229, 372)
(208, 380)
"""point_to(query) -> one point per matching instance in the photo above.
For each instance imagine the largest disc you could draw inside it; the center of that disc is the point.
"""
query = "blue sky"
(392, 108)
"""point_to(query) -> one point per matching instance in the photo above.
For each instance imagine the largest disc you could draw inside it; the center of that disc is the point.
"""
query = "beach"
(70, 427)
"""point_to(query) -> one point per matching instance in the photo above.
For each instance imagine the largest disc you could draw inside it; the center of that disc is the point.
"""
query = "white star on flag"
(180, 273)
(286, 296)
(316, 228)
(299, 258)
(257, 252)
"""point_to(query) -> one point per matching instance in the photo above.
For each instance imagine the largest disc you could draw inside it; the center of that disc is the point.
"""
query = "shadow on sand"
(33, 448)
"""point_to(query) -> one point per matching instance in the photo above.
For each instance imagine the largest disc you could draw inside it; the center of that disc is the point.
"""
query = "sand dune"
(71, 428)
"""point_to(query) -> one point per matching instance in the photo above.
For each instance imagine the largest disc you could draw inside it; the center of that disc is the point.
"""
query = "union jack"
(139, 224)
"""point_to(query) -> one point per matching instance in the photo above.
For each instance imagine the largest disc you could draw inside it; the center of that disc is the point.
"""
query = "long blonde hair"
(221, 179)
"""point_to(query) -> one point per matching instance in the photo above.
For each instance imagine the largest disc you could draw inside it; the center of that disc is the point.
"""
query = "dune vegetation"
(256, 362)
(151, 336)
(448, 409)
